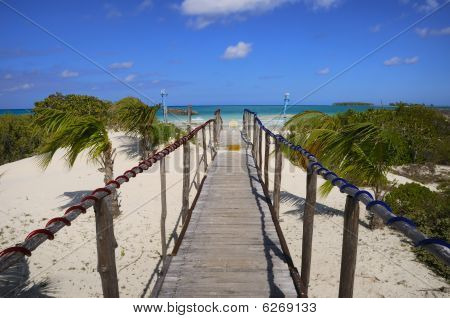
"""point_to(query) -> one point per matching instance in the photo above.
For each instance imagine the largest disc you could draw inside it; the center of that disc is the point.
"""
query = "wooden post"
(197, 160)
(106, 245)
(218, 128)
(186, 175)
(254, 137)
(210, 143)
(349, 247)
(205, 150)
(308, 225)
(162, 169)
(189, 112)
(277, 181)
(266, 160)
(260, 132)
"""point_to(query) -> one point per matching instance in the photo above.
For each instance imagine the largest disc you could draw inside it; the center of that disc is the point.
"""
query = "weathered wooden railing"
(254, 128)
(106, 242)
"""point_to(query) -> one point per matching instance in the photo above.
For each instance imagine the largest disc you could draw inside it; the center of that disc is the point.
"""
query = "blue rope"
(321, 169)
(333, 182)
(400, 219)
(315, 164)
(433, 240)
(378, 202)
(348, 185)
(329, 173)
(358, 193)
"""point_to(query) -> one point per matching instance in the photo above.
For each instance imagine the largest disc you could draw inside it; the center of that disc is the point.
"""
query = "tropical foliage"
(19, 137)
(138, 119)
(430, 210)
(364, 146)
(75, 126)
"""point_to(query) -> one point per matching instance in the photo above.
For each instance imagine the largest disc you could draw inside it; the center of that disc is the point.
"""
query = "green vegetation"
(430, 211)
(363, 146)
(19, 137)
(352, 104)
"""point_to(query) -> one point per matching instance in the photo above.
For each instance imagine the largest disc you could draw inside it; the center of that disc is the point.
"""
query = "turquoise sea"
(234, 112)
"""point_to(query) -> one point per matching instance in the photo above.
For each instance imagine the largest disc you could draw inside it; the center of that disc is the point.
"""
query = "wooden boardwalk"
(231, 247)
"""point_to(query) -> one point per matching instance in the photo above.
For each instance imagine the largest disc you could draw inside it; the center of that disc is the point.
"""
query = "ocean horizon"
(234, 112)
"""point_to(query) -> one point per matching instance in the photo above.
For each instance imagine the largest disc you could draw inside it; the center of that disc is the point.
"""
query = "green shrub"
(19, 137)
(430, 211)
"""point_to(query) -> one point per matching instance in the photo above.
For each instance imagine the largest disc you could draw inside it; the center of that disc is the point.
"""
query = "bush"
(430, 211)
(19, 137)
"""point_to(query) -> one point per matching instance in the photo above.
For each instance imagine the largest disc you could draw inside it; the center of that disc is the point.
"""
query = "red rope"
(148, 162)
(49, 234)
(64, 220)
(13, 249)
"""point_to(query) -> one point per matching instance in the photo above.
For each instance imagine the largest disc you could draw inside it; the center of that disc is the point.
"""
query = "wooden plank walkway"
(231, 247)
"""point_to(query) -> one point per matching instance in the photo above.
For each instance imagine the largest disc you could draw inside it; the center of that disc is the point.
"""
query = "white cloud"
(238, 51)
(322, 4)
(199, 23)
(393, 61)
(398, 60)
(424, 32)
(130, 78)
(67, 73)
(144, 5)
(226, 7)
(376, 28)
(19, 87)
(324, 71)
(112, 11)
(7, 76)
(411, 60)
(427, 5)
(121, 65)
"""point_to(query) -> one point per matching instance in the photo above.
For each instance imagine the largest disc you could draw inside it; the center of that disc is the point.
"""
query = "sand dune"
(29, 196)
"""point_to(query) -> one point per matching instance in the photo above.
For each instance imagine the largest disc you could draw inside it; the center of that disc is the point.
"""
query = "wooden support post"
(162, 169)
(308, 225)
(349, 247)
(197, 160)
(106, 245)
(189, 113)
(266, 160)
(218, 128)
(210, 143)
(260, 132)
(254, 137)
(205, 150)
(277, 181)
(186, 175)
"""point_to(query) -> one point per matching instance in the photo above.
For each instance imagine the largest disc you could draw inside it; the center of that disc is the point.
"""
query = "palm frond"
(87, 133)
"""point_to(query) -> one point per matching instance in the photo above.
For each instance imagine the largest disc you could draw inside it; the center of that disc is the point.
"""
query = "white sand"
(386, 267)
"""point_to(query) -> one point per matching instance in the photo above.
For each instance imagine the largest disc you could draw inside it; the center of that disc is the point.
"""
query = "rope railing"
(436, 246)
(34, 239)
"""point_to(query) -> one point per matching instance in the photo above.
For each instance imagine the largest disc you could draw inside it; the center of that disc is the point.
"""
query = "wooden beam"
(308, 226)
(349, 248)
(106, 245)
(189, 113)
(210, 143)
(205, 150)
(162, 169)
(266, 160)
(186, 177)
(277, 181)
(260, 132)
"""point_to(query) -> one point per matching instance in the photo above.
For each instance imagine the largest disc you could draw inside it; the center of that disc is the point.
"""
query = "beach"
(386, 266)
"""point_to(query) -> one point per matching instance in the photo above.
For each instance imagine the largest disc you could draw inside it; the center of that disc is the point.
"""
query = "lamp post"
(163, 97)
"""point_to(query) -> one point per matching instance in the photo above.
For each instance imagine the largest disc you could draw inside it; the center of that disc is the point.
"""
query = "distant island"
(352, 104)
(180, 111)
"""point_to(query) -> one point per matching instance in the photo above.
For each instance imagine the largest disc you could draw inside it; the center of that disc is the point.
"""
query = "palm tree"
(75, 134)
(138, 119)
(360, 152)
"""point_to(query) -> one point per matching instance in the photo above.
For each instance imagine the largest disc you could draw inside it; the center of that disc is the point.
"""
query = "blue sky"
(225, 52)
